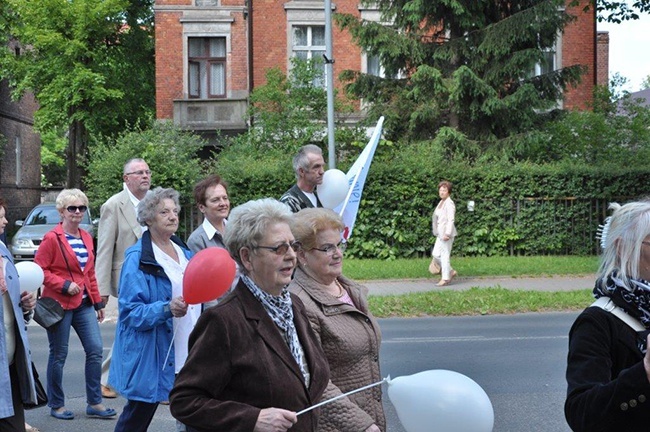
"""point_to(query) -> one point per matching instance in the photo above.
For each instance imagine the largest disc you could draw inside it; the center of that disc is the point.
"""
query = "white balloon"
(334, 188)
(441, 401)
(30, 276)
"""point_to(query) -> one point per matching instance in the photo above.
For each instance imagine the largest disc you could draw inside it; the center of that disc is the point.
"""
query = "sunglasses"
(283, 248)
(74, 209)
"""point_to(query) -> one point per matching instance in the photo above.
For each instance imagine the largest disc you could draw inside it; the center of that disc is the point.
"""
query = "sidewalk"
(403, 286)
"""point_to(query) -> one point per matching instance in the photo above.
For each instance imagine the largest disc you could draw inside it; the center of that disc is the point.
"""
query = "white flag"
(356, 179)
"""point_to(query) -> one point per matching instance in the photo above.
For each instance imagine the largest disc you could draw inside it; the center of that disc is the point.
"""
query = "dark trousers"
(136, 416)
(16, 423)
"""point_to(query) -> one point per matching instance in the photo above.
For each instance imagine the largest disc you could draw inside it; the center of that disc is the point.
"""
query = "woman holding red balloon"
(254, 360)
(154, 320)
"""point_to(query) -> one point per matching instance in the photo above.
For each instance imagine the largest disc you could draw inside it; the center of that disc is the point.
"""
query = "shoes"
(29, 428)
(443, 282)
(64, 415)
(454, 273)
(108, 392)
(106, 413)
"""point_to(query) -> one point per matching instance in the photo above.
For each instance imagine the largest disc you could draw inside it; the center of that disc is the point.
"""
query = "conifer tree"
(461, 69)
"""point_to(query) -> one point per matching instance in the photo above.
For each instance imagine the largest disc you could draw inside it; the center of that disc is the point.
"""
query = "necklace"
(341, 290)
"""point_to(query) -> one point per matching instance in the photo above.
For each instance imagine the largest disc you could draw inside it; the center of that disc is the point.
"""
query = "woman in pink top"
(444, 229)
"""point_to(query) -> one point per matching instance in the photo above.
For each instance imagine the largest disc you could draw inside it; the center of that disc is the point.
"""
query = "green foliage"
(90, 65)
(53, 145)
(521, 208)
(477, 301)
(170, 152)
(645, 84)
(291, 111)
(469, 65)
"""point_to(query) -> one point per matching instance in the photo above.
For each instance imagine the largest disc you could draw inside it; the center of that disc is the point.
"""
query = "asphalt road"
(518, 360)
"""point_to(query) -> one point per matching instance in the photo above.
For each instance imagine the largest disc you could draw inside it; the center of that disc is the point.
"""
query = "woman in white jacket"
(444, 229)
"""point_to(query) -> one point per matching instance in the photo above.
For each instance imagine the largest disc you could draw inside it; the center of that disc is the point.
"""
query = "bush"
(170, 152)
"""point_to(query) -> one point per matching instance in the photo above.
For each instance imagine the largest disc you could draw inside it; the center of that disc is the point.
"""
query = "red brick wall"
(169, 62)
(270, 18)
(602, 56)
(579, 47)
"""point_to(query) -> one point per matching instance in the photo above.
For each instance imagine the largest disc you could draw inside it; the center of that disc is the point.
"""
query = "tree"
(645, 84)
(616, 11)
(89, 64)
(172, 155)
(464, 68)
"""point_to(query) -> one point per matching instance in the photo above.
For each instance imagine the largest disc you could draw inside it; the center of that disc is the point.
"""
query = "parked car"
(40, 220)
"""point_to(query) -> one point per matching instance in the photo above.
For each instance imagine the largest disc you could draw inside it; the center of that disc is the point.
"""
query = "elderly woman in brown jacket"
(338, 312)
(254, 362)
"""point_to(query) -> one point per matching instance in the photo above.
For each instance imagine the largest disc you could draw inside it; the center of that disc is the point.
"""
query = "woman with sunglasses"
(254, 360)
(67, 257)
(338, 312)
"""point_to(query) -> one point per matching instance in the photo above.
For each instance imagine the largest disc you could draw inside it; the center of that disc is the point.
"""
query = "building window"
(207, 67)
(374, 67)
(547, 65)
(308, 43)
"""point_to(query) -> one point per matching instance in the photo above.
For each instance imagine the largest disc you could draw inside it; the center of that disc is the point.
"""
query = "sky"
(629, 50)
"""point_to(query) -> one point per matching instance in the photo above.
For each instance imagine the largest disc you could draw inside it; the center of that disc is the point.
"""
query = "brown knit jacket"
(351, 338)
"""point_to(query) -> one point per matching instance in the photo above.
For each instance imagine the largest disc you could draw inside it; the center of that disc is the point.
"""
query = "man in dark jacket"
(309, 167)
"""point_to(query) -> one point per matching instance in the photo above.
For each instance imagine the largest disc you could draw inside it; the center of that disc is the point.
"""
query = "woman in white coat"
(444, 229)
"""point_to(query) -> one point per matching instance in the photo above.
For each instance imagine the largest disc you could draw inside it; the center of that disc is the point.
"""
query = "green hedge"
(523, 209)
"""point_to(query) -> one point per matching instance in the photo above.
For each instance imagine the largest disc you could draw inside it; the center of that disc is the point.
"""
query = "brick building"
(211, 53)
(20, 154)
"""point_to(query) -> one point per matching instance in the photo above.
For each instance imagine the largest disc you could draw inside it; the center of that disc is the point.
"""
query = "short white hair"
(249, 222)
(628, 227)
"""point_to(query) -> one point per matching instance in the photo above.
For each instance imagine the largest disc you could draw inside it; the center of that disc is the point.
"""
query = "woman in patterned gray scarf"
(254, 361)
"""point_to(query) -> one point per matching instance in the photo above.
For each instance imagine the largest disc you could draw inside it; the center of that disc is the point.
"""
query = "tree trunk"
(76, 154)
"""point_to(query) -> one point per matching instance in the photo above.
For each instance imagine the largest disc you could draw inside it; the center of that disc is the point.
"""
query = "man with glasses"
(119, 230)
(309, 167)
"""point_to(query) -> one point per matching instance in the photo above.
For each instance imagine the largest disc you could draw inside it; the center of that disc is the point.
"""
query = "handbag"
(48, 312)
(41, 394)
(434, 267)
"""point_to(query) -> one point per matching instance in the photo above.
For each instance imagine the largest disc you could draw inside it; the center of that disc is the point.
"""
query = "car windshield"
(49, 216)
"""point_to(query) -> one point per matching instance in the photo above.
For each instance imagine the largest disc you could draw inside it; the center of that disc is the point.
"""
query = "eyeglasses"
(74, 209)
(329, 249)
(140, 172)
(282, 248)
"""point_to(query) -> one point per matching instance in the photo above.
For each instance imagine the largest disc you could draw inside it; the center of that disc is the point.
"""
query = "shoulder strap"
(607, 304)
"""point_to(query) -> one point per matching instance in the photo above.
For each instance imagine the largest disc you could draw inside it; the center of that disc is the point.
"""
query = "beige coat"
(351, 339)
(445, 223)
(118, 230)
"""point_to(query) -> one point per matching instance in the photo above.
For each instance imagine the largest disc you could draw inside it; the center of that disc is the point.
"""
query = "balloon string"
(170, 345)
(341, 396)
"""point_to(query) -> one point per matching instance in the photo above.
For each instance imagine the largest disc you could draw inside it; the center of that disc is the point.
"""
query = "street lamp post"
(329, 80)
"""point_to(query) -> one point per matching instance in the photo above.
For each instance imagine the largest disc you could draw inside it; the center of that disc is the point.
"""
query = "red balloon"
(208, 275)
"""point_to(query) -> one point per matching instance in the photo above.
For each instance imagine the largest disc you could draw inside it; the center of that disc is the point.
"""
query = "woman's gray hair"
(249, 222)
(628, 227)
(147, 208)
(67, 196)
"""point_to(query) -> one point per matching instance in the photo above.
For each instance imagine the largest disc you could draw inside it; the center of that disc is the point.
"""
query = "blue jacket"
(22, 358)
(144, 330)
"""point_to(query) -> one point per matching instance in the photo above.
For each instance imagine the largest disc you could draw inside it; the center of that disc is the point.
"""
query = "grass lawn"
(476, 301)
